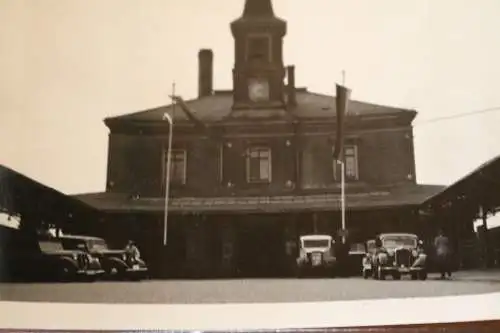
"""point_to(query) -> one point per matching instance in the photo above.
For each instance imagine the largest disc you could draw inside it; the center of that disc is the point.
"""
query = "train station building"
(252, 167)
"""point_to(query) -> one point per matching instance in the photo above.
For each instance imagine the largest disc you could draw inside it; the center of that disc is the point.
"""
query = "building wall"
(134, 164)
(299, 162)
(386, 157)
(282, 166)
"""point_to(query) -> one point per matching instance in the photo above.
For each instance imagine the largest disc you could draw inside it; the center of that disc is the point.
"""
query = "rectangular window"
(258, 165)
(178, 164)
(350, 163)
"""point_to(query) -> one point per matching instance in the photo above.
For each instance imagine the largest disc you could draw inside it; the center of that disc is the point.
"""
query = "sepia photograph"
(249, 152)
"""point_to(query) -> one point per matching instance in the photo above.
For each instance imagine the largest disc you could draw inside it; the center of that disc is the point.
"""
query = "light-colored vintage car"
(399, 255)
(316, 254)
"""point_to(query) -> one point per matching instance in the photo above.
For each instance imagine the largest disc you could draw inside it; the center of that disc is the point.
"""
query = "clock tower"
(258, 72)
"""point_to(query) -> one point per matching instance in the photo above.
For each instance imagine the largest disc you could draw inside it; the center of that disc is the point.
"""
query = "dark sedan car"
(117, 263)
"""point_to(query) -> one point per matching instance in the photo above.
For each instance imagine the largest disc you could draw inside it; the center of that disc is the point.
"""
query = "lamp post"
(167, 117)
(170, 121)
(342, 198)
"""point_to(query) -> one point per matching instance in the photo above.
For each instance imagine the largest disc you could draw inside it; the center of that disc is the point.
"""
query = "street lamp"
(167, 117)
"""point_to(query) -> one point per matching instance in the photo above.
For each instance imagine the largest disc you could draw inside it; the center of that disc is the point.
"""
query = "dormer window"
(258, 48)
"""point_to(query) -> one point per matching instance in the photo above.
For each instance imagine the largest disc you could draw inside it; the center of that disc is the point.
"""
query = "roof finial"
(258, 8)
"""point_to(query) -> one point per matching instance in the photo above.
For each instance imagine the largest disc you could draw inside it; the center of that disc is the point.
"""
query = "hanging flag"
(188, 112)
(342, 101)
(191, 115)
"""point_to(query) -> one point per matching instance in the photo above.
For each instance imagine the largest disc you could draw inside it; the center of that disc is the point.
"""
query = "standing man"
(443, 253)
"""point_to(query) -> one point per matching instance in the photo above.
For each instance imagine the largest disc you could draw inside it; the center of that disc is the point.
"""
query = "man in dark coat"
(443, 254)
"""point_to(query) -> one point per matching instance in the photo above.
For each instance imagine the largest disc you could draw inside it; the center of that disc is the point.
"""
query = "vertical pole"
(168, 166)
(315, 223)
(342, 181)
(342, 196)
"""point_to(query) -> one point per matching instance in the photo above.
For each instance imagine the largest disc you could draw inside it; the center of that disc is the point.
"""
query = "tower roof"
(258, 13)
(258, 8)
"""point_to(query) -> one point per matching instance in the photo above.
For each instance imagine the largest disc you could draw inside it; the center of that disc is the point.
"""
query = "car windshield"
(395, 241)
(48, 246)
(74, 244)
(98, 244)
(310, 243)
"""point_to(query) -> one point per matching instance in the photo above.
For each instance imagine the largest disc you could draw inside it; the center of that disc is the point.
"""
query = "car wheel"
(116, 272)
(414, 276)
(396, 276)
(66, 273)
(422, 275)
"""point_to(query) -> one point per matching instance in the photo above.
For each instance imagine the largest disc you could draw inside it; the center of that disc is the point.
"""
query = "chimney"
(205, 72)
(292, 98)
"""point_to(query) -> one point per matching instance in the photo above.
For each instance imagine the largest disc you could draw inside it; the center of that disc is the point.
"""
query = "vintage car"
(116, 263)
(399, 255)
(47, 259)
(316, 255)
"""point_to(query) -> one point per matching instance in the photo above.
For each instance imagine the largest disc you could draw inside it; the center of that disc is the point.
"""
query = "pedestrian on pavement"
(443, 253)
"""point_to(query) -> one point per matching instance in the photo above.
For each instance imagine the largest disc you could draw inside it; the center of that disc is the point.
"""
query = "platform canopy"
(476, 192)
(402, 196)
(25, 197)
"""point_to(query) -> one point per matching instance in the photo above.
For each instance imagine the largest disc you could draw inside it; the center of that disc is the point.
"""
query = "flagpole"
(342, 182)
(168, 166)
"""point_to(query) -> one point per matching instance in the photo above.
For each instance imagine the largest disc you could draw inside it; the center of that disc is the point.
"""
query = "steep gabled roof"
(218, 107)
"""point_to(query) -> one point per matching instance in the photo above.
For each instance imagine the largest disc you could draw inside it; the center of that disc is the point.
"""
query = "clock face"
(258, 90)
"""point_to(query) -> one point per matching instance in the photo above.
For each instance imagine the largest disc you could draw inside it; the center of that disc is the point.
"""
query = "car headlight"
(75, 256)
(124, 256)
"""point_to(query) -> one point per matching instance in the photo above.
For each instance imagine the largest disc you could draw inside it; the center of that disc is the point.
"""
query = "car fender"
(68, 261)
(420, 261)
(116, 262)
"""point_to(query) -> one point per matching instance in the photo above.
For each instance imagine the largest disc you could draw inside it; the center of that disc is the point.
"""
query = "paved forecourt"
(250, 290)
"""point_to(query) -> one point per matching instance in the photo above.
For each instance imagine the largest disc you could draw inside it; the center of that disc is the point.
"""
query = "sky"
(66, 65)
